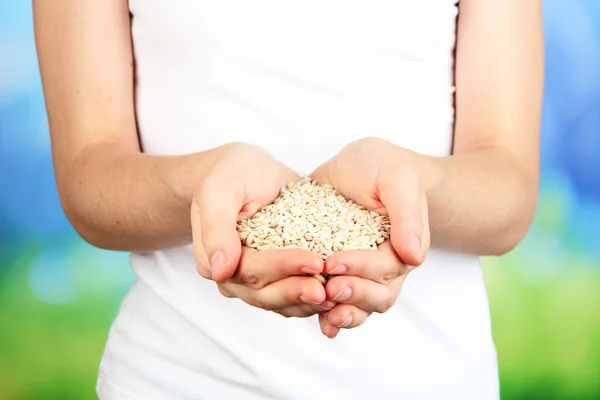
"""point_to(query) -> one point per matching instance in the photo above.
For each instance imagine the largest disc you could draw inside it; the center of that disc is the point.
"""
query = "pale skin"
(480, 200)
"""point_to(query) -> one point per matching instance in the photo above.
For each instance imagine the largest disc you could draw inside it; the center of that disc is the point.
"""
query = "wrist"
(189, 171)
(430, 170)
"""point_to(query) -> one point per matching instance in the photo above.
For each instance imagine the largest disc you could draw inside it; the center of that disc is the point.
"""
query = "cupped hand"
(375, 174)
(242, 179)
(278, 280)
(363, 282)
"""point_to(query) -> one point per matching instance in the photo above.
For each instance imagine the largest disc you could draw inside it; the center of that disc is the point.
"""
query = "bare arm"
(482, 198)
(115, 196)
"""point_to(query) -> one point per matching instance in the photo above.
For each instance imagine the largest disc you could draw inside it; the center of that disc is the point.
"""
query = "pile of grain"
(315, 217)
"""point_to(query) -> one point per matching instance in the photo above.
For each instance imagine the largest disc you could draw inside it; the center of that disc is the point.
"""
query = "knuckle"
(283, 312)
(296, 312)
(307, 311)
(203, 272)
(250, 279)
(361, 320)
(393, 271)
(386, 305)
(257, 302)
(225, 292)
(203, 269)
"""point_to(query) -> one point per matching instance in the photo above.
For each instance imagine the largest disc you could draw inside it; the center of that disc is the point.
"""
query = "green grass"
(50, 351)
(547, 333)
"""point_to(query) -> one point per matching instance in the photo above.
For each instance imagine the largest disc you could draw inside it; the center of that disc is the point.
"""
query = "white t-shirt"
(301, 79)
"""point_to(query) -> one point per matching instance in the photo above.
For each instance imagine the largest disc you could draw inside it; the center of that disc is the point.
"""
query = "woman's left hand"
(374, 173)
(364, 282)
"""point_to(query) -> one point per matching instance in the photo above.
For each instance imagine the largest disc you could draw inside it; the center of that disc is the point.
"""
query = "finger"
(367, 295)
(302, 311)
(322, 174)
(260, 268)
(325, 306)
(287, 292)
(202, 263)
(219, 205)
(426, 242)
(346, 316)
(326, 328)
(401, 194)
(381, 266)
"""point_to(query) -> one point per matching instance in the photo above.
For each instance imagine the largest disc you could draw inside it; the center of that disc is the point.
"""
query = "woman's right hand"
(242, 179)
(278, 280)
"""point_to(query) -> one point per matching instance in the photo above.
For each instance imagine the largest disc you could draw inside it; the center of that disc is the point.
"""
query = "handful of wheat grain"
(306, 215)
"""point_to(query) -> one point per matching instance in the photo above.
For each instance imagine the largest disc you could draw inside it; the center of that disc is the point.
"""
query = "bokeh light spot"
(51, 278)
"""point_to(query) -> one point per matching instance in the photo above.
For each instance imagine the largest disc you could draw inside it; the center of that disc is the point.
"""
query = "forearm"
(481, 203)
(123, 200)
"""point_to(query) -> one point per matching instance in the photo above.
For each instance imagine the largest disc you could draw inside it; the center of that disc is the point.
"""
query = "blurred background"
(58, 295)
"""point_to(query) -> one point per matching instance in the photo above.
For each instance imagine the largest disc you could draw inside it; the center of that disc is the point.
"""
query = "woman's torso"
(302, 79)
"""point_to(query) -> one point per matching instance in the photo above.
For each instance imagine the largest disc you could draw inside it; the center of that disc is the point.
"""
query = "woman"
(171, 121)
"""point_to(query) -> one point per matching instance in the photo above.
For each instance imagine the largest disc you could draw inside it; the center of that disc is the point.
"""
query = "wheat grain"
(306, 215)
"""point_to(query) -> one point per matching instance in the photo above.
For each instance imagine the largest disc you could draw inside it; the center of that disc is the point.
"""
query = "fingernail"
(343, 295)
(309, 271)
(415, 245)
(305, 299)
(347, 322)
(328, 304)
(216, 262)
(340, 269)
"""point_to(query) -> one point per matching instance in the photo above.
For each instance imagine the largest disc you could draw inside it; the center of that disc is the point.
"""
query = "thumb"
(401, 195)
(219, 209)
(322, 174)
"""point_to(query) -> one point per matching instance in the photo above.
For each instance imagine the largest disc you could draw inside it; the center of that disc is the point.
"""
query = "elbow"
(510, 238)
(92, 236)
(83, 224)
(81, 208)
(517, 222)
(82, 227)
